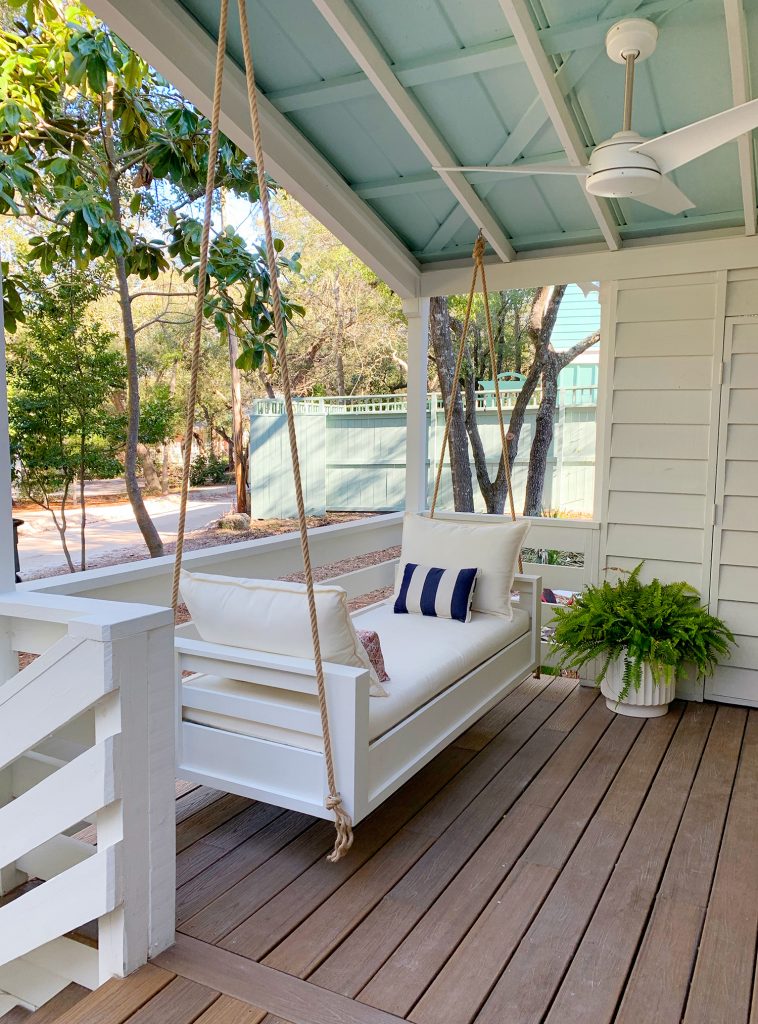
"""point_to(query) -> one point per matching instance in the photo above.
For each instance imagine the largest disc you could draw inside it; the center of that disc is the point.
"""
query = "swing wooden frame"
(368, 771)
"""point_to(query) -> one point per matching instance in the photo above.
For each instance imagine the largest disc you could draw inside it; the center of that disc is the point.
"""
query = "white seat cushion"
(423, 656)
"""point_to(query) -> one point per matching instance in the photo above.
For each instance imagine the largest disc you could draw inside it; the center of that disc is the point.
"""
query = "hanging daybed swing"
(283, 703)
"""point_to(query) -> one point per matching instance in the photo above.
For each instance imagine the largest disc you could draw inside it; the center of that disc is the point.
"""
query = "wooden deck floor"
(557, 863)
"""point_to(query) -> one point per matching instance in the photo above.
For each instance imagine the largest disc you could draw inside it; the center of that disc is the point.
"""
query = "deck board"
(557, 864)
(721, 985)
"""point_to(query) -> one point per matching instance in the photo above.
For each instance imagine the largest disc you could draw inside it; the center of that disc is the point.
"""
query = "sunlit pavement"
(112, 528)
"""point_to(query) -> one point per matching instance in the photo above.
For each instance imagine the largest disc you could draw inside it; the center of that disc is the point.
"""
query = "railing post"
(416, 430)
(140, 825)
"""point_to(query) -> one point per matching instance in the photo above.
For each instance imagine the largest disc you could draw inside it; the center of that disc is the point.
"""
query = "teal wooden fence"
(352, 453)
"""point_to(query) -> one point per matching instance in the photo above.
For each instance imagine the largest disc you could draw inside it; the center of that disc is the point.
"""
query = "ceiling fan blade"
(546, 168)
(685, 144)
(667, 197)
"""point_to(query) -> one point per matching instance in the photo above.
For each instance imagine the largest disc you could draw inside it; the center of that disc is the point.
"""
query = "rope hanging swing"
(343, 824)
(478, 257)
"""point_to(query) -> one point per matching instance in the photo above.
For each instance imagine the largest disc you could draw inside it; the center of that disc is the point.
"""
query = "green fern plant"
(662, 625)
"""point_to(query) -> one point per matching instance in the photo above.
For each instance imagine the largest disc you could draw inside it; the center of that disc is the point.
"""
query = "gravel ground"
(208, 537)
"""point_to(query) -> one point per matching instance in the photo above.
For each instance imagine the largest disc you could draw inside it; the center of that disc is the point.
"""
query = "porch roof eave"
(165, 35)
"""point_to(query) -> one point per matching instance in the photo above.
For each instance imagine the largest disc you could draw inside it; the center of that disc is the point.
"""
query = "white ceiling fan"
(626, 166)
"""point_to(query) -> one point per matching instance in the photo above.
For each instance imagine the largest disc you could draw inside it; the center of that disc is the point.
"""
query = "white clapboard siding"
(679, 338)
(664, 543)
(653, 568)
(742, 405)
(742, 295)
(657, 500)
(660, 304)
(741, 441)
(740, 512)
(659, 476)
(744, 370)
(659, 441)
(645, 509)
(739, 547)
(740, 477)
(734, 591)
(644, 406)
(740, 615)
(664, 373)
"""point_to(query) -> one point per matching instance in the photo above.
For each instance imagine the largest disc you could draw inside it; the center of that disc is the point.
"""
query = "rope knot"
(342, 824)
(479, 244)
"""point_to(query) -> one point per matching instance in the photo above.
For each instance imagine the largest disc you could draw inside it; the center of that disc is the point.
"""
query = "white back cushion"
(493, 548)
(272, 616)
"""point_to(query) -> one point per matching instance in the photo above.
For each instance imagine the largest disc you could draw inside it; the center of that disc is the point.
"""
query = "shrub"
(208, 469)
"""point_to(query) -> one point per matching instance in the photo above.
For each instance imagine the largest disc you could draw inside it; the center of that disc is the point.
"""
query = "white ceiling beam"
(736, 31)
(543, 76)
(702, 252)
(467, 60)
(362, 47)
(165, 35)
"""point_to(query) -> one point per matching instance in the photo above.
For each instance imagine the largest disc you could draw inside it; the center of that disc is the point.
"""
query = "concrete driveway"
(112, 529)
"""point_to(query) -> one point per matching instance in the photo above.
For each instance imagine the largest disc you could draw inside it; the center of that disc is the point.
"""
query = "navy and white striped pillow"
(440, 593)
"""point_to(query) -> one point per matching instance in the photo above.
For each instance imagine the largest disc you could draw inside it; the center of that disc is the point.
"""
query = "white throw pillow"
(492, 547)
(272, 616)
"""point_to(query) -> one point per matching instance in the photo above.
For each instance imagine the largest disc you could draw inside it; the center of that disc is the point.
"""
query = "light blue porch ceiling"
(461, 65)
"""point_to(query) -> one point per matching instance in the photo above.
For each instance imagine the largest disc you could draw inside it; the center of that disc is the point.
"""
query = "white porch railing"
(86, 743)
(150, 580)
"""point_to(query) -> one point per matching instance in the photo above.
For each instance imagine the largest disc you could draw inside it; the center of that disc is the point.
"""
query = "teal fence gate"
(352, 452)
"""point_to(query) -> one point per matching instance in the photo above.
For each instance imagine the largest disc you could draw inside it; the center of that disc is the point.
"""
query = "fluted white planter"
(651, 700)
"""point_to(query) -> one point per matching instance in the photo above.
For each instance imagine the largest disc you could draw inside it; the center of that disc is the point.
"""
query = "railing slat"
(38, 708)
(84, 893)
(71, 794)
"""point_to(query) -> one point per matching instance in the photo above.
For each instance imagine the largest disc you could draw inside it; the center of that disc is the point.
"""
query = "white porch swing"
(279, 706)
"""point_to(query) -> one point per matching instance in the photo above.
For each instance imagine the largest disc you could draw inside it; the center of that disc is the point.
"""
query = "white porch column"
(417, 312)
(7, 570)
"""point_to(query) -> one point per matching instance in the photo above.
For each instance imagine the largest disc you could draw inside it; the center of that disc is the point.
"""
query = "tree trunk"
(543, 437)
(553, 363)
(144, 522)
(149, 469)
(267, 385)
(494, 491)
(242, 502)
(61, 528)
(442, 345)
(83, 506)
(164, 471)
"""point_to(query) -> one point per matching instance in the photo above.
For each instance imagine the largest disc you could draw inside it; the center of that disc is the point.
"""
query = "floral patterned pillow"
(372, 645)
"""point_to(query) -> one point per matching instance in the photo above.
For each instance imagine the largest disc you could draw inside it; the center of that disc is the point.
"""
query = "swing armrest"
(259, 666)
(347, 698)
(529, 590)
